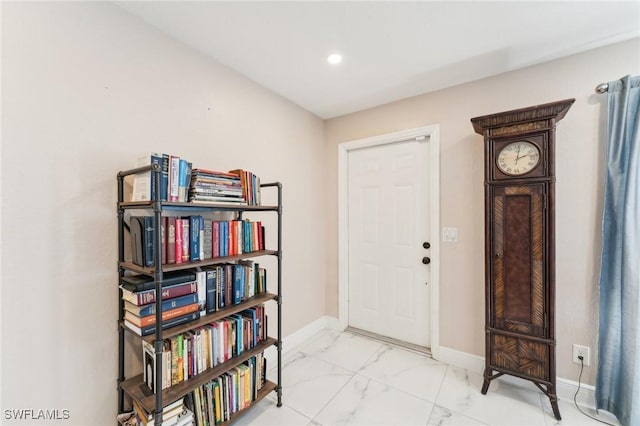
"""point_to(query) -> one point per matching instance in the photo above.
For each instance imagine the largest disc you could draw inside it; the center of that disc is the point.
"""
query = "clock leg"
(487, 380)
(553, 398)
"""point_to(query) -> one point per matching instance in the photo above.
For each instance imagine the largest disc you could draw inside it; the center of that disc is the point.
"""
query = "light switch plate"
(450, 235)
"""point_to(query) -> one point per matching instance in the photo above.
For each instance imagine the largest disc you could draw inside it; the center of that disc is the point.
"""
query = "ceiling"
(392, 50)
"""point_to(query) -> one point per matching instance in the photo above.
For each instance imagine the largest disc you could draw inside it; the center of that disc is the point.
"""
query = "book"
(145, 331)
(179, 236)
(186, 240)
(173, 181)
(140, 282)
(212, 293)
(142, 229)
(194, 230)
(149, 296)
(150, 309)
(184, 175)
(207, 239)
(166, 315)
(171, 239)
(143, 183)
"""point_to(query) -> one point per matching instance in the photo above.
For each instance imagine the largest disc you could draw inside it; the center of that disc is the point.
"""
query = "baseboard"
(297, 337)
(565, 388)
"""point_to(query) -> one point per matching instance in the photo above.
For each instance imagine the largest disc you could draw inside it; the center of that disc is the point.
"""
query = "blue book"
(194, 230)
(237, 284)
(184, 178)
(150, 329)
(212, 294)
(164, 178)
(224, 226)
(239, 333)
(150, 309)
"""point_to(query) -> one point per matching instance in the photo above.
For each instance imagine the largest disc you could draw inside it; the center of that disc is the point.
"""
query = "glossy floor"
(344, 379)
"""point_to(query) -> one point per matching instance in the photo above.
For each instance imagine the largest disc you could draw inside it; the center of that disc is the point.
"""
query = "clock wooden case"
(519, 152)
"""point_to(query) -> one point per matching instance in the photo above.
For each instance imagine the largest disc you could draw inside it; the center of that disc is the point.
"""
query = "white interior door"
(388, 222)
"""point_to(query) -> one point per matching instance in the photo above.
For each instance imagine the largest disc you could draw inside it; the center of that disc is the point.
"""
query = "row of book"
(191, 353)
(216, 401)
(188, 295)
(179, 182)
(193, 238)
(175, 175)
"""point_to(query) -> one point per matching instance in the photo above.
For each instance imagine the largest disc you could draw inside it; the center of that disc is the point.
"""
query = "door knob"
(426, 260)
(426, 245)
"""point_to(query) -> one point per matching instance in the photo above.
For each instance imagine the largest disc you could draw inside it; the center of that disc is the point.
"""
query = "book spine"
(178, 247)
(163, 240)
(215, 239)
(174, 173)
(194, 229)
(149, 258)
(207, 238)
(170, 314)
(212, 295)
(171, 323)
(169, 304)
(149, 296)
(171, 239)
(202, 291)
(164, 178)
(186, 240)
(201, 237)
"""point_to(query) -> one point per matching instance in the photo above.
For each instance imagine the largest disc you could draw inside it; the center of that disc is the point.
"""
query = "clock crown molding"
(556, 110)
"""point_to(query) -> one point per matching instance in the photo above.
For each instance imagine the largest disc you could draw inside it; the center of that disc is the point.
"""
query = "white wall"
(85, 89)
(579, 189)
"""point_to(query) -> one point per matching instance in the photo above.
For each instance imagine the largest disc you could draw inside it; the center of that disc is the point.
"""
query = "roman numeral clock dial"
(518, 158)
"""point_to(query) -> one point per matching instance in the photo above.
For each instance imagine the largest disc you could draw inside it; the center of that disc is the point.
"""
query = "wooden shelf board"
(196, 205)
(138, 390)
(150, 270)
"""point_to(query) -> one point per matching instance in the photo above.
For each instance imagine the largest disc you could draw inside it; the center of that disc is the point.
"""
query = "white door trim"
(432, 133)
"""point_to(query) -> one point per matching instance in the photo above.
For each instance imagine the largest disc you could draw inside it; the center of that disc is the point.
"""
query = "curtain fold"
(618, 376)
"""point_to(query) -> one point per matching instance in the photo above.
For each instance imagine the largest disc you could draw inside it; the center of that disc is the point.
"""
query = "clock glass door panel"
(518, 267)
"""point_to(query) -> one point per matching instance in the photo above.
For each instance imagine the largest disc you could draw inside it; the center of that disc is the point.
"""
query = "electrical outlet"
(584, 352)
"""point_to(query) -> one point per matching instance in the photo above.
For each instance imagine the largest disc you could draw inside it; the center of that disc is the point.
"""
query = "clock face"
(518, 158)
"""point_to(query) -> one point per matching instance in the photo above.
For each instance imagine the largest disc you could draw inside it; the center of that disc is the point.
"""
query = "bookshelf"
(135, 389)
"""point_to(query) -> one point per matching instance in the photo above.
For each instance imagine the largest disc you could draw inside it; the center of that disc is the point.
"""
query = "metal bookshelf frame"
(158, 206)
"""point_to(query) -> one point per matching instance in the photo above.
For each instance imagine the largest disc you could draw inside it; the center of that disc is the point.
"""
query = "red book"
(178, 249)
(145, 297)
(215, 239)
(260, 234)
(166, 315)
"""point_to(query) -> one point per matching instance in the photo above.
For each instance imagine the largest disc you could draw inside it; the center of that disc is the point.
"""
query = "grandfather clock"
(519, 150)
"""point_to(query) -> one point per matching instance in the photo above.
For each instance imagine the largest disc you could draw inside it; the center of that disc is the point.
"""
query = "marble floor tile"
(364, 401)
(343, 349)
(267, 413)
(309, 383)
(405, 370)
(503, 404)
(441, 416)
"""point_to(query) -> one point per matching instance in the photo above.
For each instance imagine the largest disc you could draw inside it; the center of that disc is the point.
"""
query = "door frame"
(431, 134)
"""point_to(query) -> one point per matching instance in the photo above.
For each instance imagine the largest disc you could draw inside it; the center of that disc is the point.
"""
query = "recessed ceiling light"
(334, 58)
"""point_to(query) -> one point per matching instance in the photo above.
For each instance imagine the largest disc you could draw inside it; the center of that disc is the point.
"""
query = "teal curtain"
(618, 378)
